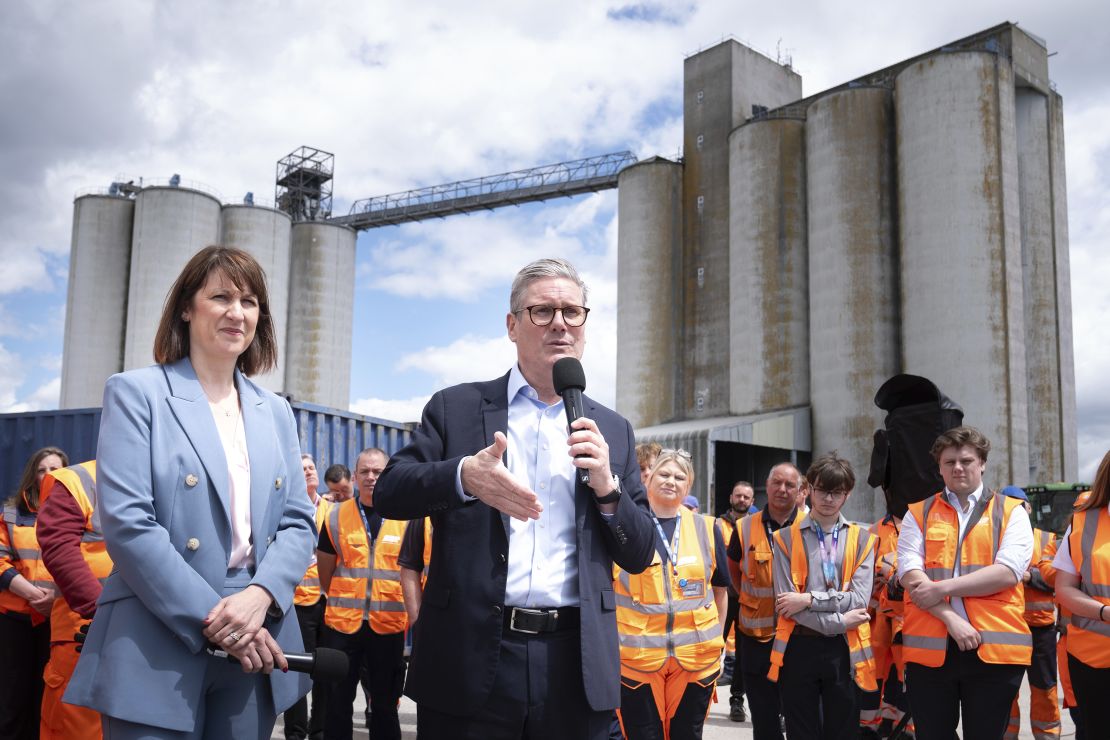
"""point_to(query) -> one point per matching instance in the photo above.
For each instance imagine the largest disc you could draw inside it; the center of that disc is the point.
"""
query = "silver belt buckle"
(518, 610)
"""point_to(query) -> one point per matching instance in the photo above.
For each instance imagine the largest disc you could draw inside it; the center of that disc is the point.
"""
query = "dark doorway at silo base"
(735, 461)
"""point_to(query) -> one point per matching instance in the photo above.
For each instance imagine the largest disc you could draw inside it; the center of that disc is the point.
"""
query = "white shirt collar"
(972, 500)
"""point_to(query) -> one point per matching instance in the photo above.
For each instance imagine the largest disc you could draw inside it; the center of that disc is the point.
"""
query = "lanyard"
(366, 525)
(828, 554)
(670, 547)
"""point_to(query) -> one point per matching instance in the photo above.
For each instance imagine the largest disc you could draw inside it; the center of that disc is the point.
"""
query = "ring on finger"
(235, 636)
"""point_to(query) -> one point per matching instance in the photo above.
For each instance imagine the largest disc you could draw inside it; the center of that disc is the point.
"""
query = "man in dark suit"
(516, 637)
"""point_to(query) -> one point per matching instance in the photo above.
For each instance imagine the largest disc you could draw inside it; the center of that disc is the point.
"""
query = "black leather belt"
(537, 621)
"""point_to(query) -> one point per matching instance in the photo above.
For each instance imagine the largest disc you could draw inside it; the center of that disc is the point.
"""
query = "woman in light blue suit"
(204, 514)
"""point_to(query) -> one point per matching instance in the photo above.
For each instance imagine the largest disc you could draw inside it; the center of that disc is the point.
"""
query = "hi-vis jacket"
(80, 481)
(1089, 639)
(19, 550)
(1040, 611)
(661, 614)
(307, 592)
(998, 618)
(358, 563)
(756, 587)
(858, 546)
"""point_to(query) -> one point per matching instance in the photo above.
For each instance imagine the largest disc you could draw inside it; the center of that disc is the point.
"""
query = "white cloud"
(408, 409)
(467, 359)
(43, 397)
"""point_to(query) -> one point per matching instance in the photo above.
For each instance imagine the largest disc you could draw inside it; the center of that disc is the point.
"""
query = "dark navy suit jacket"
(457, 639)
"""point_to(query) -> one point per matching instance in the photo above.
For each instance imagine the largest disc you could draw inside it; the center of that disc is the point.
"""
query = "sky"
(414, 94)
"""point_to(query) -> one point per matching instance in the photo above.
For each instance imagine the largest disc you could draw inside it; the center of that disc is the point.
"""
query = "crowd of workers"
(807, 609)
(828, 628)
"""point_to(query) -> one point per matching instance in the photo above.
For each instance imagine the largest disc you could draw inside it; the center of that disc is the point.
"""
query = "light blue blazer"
(162, 488)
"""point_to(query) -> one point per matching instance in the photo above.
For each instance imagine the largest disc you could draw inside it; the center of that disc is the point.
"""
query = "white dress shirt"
(233, 437)
(1015, 550)
(543, 553)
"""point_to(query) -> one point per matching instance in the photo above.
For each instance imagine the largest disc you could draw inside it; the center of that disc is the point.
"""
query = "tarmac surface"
(717, 726)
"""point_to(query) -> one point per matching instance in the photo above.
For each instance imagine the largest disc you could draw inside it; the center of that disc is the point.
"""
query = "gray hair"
(306, 456)
(538, 270)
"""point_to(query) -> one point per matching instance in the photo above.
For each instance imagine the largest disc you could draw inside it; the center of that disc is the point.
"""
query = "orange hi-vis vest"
(668, 611)
(727, 528)
(359, 564)
(19, 549)
(1089, 639)
(80, 481)
(1040, 611)
(858, 546)
(307, 592)
(756, 588)
(886, 563)
(999, 618)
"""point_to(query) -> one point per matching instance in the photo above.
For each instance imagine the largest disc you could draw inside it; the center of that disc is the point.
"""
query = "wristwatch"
(612, 498)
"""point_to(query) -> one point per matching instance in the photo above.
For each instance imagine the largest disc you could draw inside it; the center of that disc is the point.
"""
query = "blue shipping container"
(329, 435)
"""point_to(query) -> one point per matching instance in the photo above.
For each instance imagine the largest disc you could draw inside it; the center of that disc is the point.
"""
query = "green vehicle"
(1052, 504)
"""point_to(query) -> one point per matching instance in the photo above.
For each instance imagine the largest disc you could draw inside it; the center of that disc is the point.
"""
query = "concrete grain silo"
(265, 233)
(321, 306)
(649, 270)
(171, 225)
(1039, 289)
(1064, 336)
(961, 261)
(853, 280)
(96, 302)
(768, 272)
(722, 87)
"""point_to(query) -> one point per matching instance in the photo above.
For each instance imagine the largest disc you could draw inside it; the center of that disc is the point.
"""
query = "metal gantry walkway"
(486, 193)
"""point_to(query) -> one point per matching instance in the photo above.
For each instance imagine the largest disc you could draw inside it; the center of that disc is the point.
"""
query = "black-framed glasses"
(542, 315)
(830, 495)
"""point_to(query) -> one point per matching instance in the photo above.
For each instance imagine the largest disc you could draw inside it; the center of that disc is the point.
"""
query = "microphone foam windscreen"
(331, 665)
(568, 373)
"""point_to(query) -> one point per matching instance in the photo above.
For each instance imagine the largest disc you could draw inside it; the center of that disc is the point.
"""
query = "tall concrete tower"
(723, 87)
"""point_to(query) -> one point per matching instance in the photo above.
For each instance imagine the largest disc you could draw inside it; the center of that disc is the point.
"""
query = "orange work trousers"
(61, 721)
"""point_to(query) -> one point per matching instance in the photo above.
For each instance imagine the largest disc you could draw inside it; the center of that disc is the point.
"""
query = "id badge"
(692, 589)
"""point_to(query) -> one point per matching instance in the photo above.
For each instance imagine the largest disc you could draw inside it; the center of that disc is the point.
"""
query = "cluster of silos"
(127, 251)
(912, 221)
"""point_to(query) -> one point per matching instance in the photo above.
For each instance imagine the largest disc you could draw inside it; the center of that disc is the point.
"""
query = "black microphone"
(323, 664)
(569, 380)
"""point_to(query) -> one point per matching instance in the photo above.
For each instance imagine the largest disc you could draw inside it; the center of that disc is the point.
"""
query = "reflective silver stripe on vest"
(343, 571)
(333, 527)
(1087, 546)
(1098, 590)
(1038, 606)
(755, 624)
(310, 582)
(346, 603)
(688, 605)
(663, 642)
(385, 575)
(1003, 638)
(386, 606)
(998, 511)
(924, 643)
(861, 655)
(25, 553)
(1091, 625)
(87, 482)
(779, 646)
(10, 515)
(760, 592)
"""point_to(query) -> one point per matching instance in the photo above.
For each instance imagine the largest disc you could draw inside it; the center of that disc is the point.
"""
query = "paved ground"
(717, 727)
